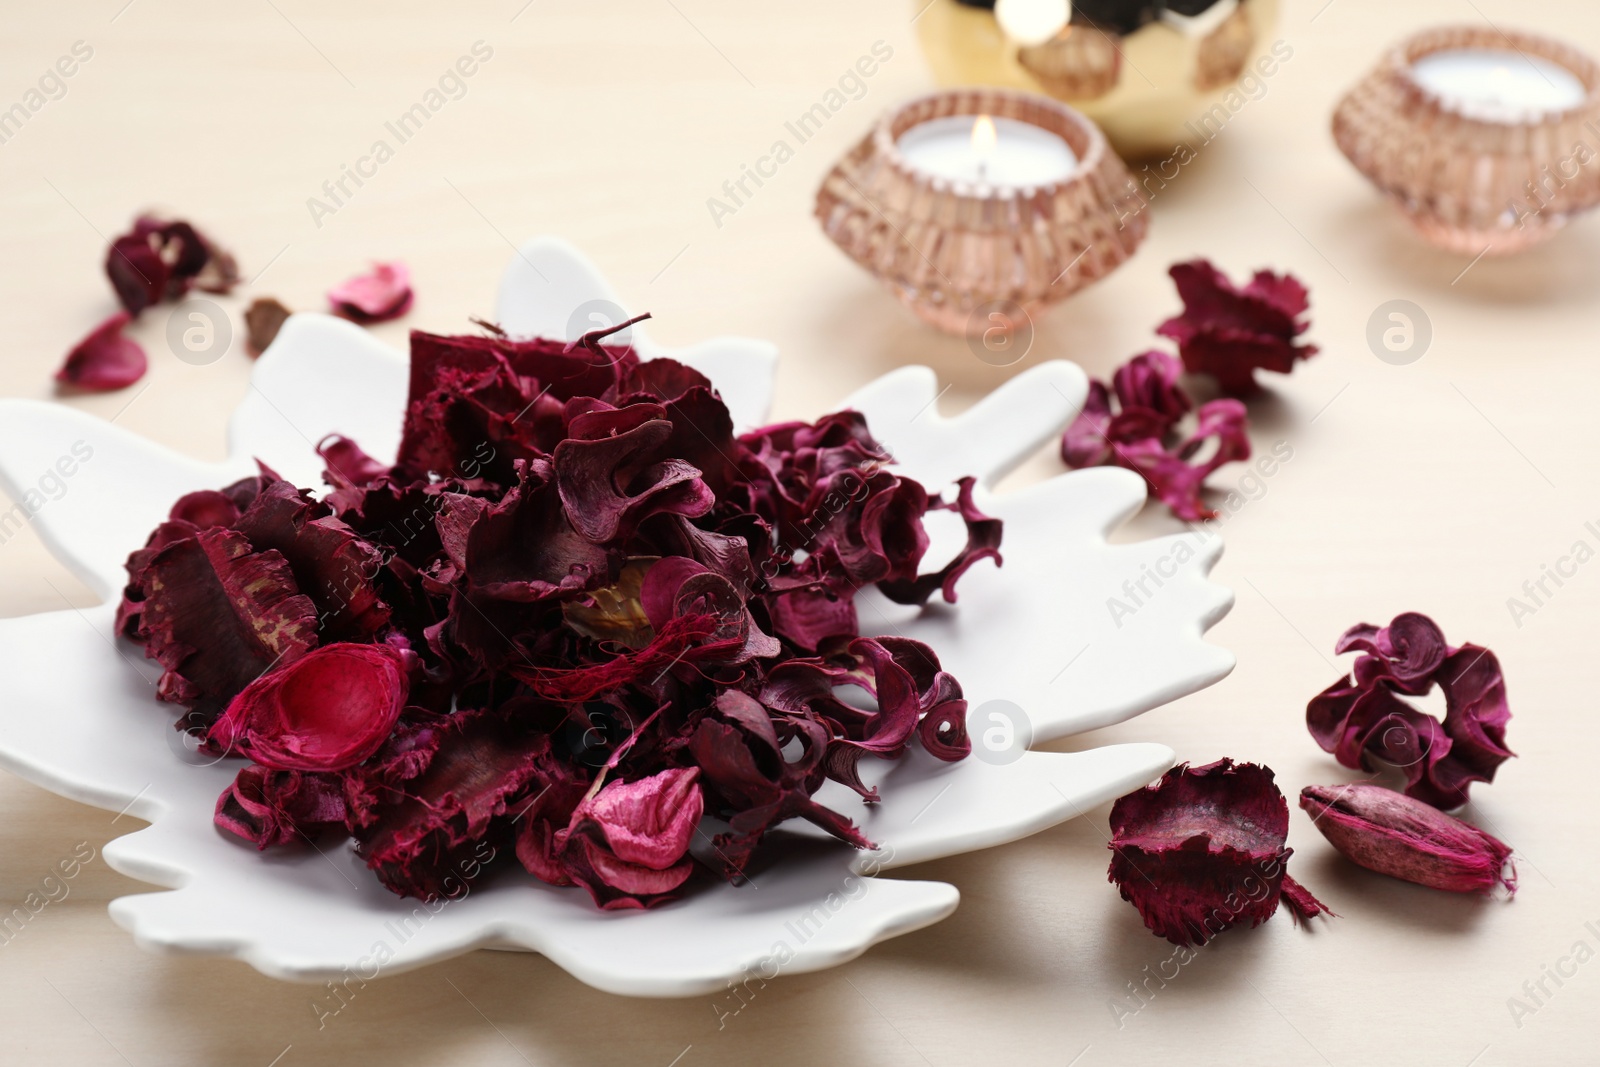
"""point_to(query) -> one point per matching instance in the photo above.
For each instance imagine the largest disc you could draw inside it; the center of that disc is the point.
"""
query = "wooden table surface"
(1440, 486)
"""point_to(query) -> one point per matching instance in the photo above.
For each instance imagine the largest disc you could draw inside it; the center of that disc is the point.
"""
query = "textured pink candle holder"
(949, 249)
(1468, 184)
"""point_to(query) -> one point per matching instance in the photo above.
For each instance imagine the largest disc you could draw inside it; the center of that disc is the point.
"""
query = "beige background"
(1439, 486)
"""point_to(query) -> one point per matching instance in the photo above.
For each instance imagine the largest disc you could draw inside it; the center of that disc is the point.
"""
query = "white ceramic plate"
(78, 715)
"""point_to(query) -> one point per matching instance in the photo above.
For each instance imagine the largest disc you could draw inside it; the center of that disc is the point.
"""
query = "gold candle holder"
(1470, 183)
(1166, 83)
(951, 249)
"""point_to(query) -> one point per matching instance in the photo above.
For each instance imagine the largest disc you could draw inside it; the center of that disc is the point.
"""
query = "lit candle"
(987, 151)
(1498, 85)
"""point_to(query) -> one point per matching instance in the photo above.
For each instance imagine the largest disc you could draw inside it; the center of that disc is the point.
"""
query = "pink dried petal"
(328, 710)
(1228, 332)
(648, 824)
(105, 359)
(1203, 850)
(1408, 839)
(381, 294)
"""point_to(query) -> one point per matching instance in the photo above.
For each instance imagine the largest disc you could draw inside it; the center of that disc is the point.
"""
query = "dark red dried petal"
(1363, 718)
(1228, 332)
(332, 564)
(105, 359)
(270, 807)
(422, 835)
(1202, 850)
(217, 615)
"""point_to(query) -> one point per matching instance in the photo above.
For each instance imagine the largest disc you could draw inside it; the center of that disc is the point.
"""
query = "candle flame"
(983, 137)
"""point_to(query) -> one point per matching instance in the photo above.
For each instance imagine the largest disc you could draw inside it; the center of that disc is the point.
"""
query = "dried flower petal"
(1395, 835)
(1140, 433)
(381, 294)
(263, 319)
(1228, 332)
(159, 260)
(1362, 718)
(576, 614)
(629, 843)
(105, 359)
(216, 615)
(328, 710)
(1203, 850)
(270, 807)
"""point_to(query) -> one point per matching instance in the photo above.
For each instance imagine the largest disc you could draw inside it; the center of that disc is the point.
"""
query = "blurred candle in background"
(1498, 85)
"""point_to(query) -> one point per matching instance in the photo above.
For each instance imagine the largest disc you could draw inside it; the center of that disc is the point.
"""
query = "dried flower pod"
(1393, 834)
(1203, 850)
(328, 710)
(263, 319)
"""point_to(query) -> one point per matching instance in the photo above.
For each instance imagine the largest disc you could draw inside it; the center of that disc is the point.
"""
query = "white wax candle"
(1497, 85)
(1018, 155)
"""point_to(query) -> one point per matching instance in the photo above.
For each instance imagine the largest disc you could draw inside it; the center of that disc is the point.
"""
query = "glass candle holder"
(1487, 141)
(956, 248)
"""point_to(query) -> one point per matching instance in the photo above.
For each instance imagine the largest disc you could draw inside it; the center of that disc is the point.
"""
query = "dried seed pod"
(1393, 834)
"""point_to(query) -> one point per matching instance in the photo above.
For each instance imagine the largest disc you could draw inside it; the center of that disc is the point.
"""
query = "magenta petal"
(381, 294)
(105, 359)
(1086, 442)
(648, 822)
(328, 710)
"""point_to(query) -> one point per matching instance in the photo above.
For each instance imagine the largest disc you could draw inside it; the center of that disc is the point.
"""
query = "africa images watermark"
(1153, 577)
(354, 978)
(798, 930)
(51, 485)
(1207, 127)
(451, 85)
(53, 889)
(851, 86)
(1251, 890)
(50, 86)
(1537, 592)
(1536, 992)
